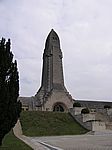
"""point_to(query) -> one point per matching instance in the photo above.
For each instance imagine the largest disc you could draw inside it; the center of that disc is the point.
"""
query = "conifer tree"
(10, 108)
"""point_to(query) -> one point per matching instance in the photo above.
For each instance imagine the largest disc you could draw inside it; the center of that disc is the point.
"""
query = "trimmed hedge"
(107, 106)
(76, 104)
(85, 111)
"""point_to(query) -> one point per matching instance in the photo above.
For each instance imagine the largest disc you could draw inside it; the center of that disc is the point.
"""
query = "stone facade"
(100, 120)
(93, 104)
(52, 95)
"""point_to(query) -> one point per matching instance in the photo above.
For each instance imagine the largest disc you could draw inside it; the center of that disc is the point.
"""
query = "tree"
(107, 106)
(10, 108)
(85, 111)
(76, 104)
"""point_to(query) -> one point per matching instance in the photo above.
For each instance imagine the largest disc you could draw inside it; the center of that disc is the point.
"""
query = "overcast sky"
(85, 31)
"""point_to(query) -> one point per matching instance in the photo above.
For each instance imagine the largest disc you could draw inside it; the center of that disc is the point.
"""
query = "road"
(78, 142)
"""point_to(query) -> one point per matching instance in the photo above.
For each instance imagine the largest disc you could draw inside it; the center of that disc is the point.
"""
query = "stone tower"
(52, 95)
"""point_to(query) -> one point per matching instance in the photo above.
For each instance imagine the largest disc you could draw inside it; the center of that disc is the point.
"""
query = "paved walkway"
(98, 141)
(79, 142)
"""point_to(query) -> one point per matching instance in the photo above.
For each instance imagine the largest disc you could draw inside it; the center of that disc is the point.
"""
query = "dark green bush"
(85, 111)
(107, 106)
(76, 104)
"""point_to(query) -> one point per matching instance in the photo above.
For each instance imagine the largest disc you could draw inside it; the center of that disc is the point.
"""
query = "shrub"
(85, 111)
(76, 104)
(107, 106)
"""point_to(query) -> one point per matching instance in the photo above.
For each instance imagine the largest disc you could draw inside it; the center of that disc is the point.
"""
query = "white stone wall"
(58, 97)
(98, 126)
(25, 108)
(109, 111)
(88, 117)
(77, 110)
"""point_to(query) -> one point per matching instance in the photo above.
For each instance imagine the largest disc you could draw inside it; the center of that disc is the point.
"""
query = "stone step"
(104, 132)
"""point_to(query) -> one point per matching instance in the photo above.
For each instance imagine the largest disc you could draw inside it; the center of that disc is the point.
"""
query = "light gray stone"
(52, 93)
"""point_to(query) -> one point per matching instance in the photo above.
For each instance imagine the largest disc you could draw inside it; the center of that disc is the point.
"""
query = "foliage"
(76, 104)
(10, 142)
(85, 111)
(107, 106)
(35, 123)
(10, 108)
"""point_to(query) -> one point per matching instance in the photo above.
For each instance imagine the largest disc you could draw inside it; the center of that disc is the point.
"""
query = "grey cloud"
(85, 31)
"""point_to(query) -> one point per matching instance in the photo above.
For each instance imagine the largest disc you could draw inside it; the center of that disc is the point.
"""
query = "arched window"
(58, 108)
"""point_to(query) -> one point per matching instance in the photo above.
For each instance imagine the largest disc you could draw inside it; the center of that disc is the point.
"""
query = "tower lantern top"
(52, 39)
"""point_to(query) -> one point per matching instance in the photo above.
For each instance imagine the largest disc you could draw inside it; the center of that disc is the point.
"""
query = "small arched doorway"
(59, 107)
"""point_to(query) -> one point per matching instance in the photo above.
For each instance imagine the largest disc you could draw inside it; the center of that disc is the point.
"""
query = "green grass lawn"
(35, 123)
(10, 142)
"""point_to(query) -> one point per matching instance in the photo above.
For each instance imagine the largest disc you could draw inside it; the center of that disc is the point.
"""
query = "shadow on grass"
(10, 142)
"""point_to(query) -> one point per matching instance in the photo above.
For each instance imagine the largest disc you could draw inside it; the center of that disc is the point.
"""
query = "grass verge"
(35, 123)
(10, 142)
